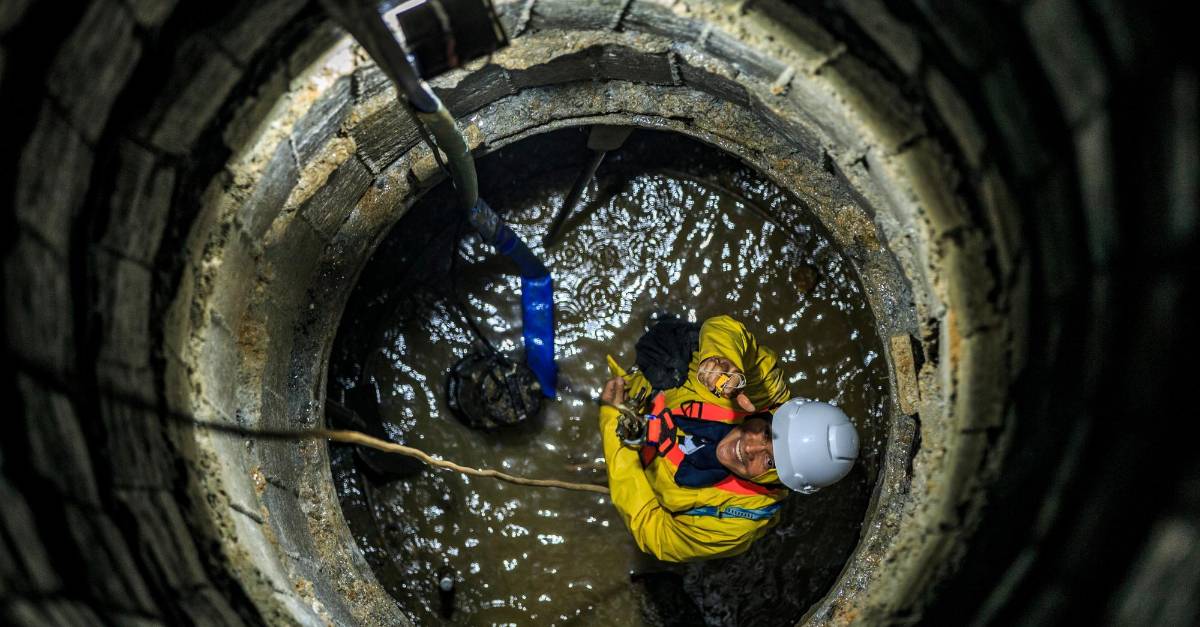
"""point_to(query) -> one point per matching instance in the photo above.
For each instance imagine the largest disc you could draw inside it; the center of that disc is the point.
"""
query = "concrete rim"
(272, 258)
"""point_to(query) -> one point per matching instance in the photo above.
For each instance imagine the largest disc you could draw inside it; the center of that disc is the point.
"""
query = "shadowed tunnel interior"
(194, 189)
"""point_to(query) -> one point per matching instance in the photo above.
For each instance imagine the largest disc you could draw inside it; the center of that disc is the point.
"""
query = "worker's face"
(747, 451)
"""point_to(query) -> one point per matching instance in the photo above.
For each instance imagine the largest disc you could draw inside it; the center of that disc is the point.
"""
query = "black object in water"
(665, 350)
(446, 589)
(485, 390)
(664, 601)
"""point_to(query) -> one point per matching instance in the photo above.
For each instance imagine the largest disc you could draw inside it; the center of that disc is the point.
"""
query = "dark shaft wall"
(116, 114)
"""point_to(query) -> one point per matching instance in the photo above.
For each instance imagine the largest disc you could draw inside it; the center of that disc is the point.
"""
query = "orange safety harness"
(663, 433)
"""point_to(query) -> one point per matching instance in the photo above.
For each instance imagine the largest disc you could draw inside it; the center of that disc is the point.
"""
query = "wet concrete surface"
(669, 224)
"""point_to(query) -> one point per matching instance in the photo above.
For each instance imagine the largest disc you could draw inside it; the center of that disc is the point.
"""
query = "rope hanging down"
(362, 439)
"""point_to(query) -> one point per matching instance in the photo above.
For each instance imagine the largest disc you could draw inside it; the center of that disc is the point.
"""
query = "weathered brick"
(162, 540)
(52, 178)
(134, 384)
(1114, 15)
(1094, 158)
(1183, 187)
(384, 136)
(9, 572)
(1003, 218)
(967, 28)
(215, 380)
(710, 83)
(302, 410)
(109, 570)
(239, 267)
(58, 451)
(789, 33)
(1068, 55)
(926, 173)
(23, 613)
(321, 121)
(317, 43)
(476, 90)
(38, 296)
(122, 293)
(137, 454)
(330, 205)
(65, 613)
(896, 38)
(1057, 239)
(748, 61)
(1154, 324)
(1020, 314)
(1014, 119)
(651, 17)
(270, 193)
(626, 64)
(903, 364)
(194, 94)
(125, 619)
(247, 29)
(370, 82)
(11, 12)
(334, 279)
(251, 110)
(20, 541)
(291, 259)
(206, 606)
(877, 105)
(151, 13)
(140, 203)
(512, 17)
(93, 65)
(957, 116)
(573, 66)
(557, 14)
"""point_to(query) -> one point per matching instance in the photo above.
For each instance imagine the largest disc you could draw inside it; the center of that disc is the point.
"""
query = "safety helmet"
(815, 444)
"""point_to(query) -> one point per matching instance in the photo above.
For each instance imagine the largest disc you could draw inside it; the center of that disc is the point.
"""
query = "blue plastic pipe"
(537, 294)
(537, 309)
(537, 302)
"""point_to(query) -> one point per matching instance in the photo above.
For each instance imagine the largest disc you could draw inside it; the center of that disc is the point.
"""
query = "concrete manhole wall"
(218, 225)
(285, 229)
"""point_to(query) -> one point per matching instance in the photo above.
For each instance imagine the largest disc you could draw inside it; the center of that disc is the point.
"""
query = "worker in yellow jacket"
(700, 470)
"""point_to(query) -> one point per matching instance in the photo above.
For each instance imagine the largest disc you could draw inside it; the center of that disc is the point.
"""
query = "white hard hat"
(815, 444)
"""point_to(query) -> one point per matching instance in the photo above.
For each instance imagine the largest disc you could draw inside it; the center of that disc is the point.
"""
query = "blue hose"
(537, 295)
(537, 310)
(510, 244)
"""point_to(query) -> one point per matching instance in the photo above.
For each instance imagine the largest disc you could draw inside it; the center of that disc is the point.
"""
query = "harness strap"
(706, 411)
(760, 513)
(660, 439)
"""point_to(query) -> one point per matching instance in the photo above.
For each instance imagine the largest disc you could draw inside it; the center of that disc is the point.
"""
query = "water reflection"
(652, 238)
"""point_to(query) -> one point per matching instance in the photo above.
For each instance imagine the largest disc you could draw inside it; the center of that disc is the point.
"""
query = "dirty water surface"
(668, 224)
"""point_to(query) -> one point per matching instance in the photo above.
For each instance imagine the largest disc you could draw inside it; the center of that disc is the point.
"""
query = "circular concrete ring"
(325, 171)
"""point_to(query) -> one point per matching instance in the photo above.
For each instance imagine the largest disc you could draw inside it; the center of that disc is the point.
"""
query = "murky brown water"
(670, 225)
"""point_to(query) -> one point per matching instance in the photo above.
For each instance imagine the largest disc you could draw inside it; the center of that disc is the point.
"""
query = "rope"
(362, 439)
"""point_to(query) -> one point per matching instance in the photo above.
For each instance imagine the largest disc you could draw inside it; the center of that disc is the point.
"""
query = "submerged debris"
(445, 590)
(664, 601)
(485, 390)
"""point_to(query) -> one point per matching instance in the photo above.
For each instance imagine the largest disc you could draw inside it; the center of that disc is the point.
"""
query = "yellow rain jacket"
(647, 497)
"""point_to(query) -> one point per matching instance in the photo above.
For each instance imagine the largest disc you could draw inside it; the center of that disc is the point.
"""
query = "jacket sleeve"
(655, 529)
(722, 336)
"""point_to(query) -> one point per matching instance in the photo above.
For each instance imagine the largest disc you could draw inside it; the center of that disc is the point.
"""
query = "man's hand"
(631, 426)
(614, 391)
(715, 369)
